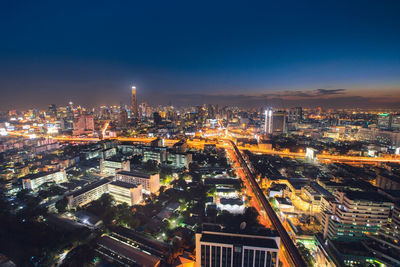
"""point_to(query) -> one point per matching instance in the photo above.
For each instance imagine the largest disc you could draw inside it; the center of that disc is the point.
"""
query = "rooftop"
(239, 240)
(123, 184)
(38, 175)
(367, 196)
(90, 187)
(135, 174)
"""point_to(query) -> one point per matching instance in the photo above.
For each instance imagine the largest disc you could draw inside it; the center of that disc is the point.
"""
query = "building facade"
(125, 193)
(34, 181)
(219, 248)
(353, 215)
(110, 166)
(150, 183)
(88, 193)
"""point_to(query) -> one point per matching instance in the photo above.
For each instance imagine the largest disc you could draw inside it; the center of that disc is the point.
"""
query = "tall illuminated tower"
(268, 121)
(134, 107)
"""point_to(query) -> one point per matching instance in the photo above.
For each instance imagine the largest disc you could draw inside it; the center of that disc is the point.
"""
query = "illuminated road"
(289, 250)
(201, 143)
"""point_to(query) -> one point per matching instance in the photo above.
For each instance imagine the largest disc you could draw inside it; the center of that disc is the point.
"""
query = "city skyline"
(200, 133)
(278, 54)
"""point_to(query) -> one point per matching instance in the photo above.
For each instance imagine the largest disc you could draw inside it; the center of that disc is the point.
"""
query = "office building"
(216, 247)
(122, 192)
(123, 118)
(150, 183)
(396, 122)
(295, 115)
(34, 181)
(52, 111)
(134, 107)
(83, 124)
(351, 215)
(385, 121)
(268, 121)
(279, 121)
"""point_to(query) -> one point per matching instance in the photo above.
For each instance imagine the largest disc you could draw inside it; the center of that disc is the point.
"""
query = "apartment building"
(353, 215)
(110, 166)
(123, 192)
(88, 193)
(150, 183)
(34, 181)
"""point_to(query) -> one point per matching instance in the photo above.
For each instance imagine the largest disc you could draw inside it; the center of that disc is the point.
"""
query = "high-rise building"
(296, 114)
(53, 110)
(123, 118)
(134, 107)
(353, 215)
(268, 121)
(385, 121)
(216, 247)
(279, 122)
(83, 124)
(396, 122)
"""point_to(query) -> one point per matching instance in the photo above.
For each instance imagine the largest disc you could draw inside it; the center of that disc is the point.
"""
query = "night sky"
(248, 53)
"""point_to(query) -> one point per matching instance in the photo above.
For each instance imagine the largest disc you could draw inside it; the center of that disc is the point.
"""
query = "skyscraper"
(122, 118)
(52, 110)
(279, 122)
(296, 115)
(268, 121)
(385, 121)
(134, 108)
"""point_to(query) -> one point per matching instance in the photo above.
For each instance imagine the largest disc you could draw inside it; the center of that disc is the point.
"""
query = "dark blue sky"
(187, 52)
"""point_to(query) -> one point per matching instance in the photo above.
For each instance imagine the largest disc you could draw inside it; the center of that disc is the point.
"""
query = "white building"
(215, 247)
(125, 192)
(34, 181)
(89, 193)
(151, 183)
(109, 167)
(268, 121)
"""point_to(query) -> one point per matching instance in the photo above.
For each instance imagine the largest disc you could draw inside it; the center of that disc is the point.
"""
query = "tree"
(80, 256)
(150, 165)
(23, 194)
(305, 252)
(61, 205)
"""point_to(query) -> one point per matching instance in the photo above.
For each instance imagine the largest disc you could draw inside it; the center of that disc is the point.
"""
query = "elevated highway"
(289, 249)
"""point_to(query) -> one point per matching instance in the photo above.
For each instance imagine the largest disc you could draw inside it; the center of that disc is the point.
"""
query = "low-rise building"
(150, 182)
(110, 166)
(34, 181)
(179, 160)
(88, 193)
(122, 192)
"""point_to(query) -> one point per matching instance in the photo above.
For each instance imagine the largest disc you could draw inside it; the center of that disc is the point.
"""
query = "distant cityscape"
(209, 185)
